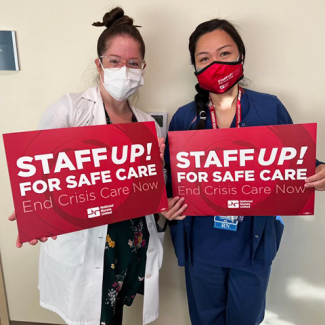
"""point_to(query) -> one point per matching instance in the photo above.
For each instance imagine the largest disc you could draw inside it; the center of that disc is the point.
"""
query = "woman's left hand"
(318, 180)
(162, 146)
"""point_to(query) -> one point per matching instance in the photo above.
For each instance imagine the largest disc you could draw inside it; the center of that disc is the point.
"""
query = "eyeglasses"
(117, 63)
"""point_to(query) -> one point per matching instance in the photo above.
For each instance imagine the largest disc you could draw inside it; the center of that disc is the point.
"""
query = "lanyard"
(214, 126)
(238, 111)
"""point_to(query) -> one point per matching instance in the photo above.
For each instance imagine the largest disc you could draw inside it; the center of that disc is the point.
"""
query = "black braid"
(201, 101)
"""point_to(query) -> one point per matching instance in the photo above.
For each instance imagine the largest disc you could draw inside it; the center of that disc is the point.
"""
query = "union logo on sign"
(93, 212)
(233, 204)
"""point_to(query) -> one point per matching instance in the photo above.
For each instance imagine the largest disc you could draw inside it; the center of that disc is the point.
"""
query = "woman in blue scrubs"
(227, 272)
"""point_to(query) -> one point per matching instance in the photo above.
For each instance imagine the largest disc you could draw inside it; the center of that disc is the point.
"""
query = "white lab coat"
(71, 267)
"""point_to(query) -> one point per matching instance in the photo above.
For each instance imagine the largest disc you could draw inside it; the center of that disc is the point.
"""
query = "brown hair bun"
(116, 24)
(114, 17)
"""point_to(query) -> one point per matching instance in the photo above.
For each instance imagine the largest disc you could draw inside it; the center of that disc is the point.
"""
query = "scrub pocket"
(279, 227)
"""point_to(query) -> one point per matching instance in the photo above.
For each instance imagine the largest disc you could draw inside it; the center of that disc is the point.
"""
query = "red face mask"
(218, 77)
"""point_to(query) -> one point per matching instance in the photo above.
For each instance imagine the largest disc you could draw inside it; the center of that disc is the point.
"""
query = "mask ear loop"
(100, 61)
(100, 77)
(196, 70)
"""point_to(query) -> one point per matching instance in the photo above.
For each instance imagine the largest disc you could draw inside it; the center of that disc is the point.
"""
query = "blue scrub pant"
(227, 296)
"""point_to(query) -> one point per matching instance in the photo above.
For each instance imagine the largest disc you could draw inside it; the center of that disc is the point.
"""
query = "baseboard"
(28, 323)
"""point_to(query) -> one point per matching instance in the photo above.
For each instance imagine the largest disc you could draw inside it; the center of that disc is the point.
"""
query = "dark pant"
(227, 296)
(118, 317)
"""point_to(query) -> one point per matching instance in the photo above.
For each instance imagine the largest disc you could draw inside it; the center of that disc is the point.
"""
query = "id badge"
(226, 223)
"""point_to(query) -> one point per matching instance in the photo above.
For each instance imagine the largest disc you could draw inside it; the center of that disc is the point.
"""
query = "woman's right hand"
(32, 242)
(175, 209)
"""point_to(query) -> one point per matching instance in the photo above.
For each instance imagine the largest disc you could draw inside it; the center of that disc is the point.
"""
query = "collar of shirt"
(244, 111)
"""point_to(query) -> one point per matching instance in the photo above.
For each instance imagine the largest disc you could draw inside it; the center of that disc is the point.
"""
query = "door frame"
(4, 312)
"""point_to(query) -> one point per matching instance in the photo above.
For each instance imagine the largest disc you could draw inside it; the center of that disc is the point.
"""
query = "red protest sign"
(64, 180)
(251, 171)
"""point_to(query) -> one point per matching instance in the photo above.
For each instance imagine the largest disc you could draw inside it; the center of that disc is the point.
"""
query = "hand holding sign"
(175, 209)
(318, 180)
(33, 242)
(162, 146)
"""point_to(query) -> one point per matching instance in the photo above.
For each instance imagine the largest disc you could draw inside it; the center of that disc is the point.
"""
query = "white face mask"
(122, 83)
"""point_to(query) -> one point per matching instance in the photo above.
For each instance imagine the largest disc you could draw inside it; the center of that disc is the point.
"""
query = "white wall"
(285, 54)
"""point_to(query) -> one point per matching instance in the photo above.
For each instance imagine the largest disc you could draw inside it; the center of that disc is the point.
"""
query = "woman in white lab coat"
(81, 278)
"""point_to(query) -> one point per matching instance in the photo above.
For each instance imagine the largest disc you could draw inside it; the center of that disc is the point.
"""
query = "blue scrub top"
(219, 247)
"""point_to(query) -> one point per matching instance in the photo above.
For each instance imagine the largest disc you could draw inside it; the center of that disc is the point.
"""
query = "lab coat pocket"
(68, 249)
